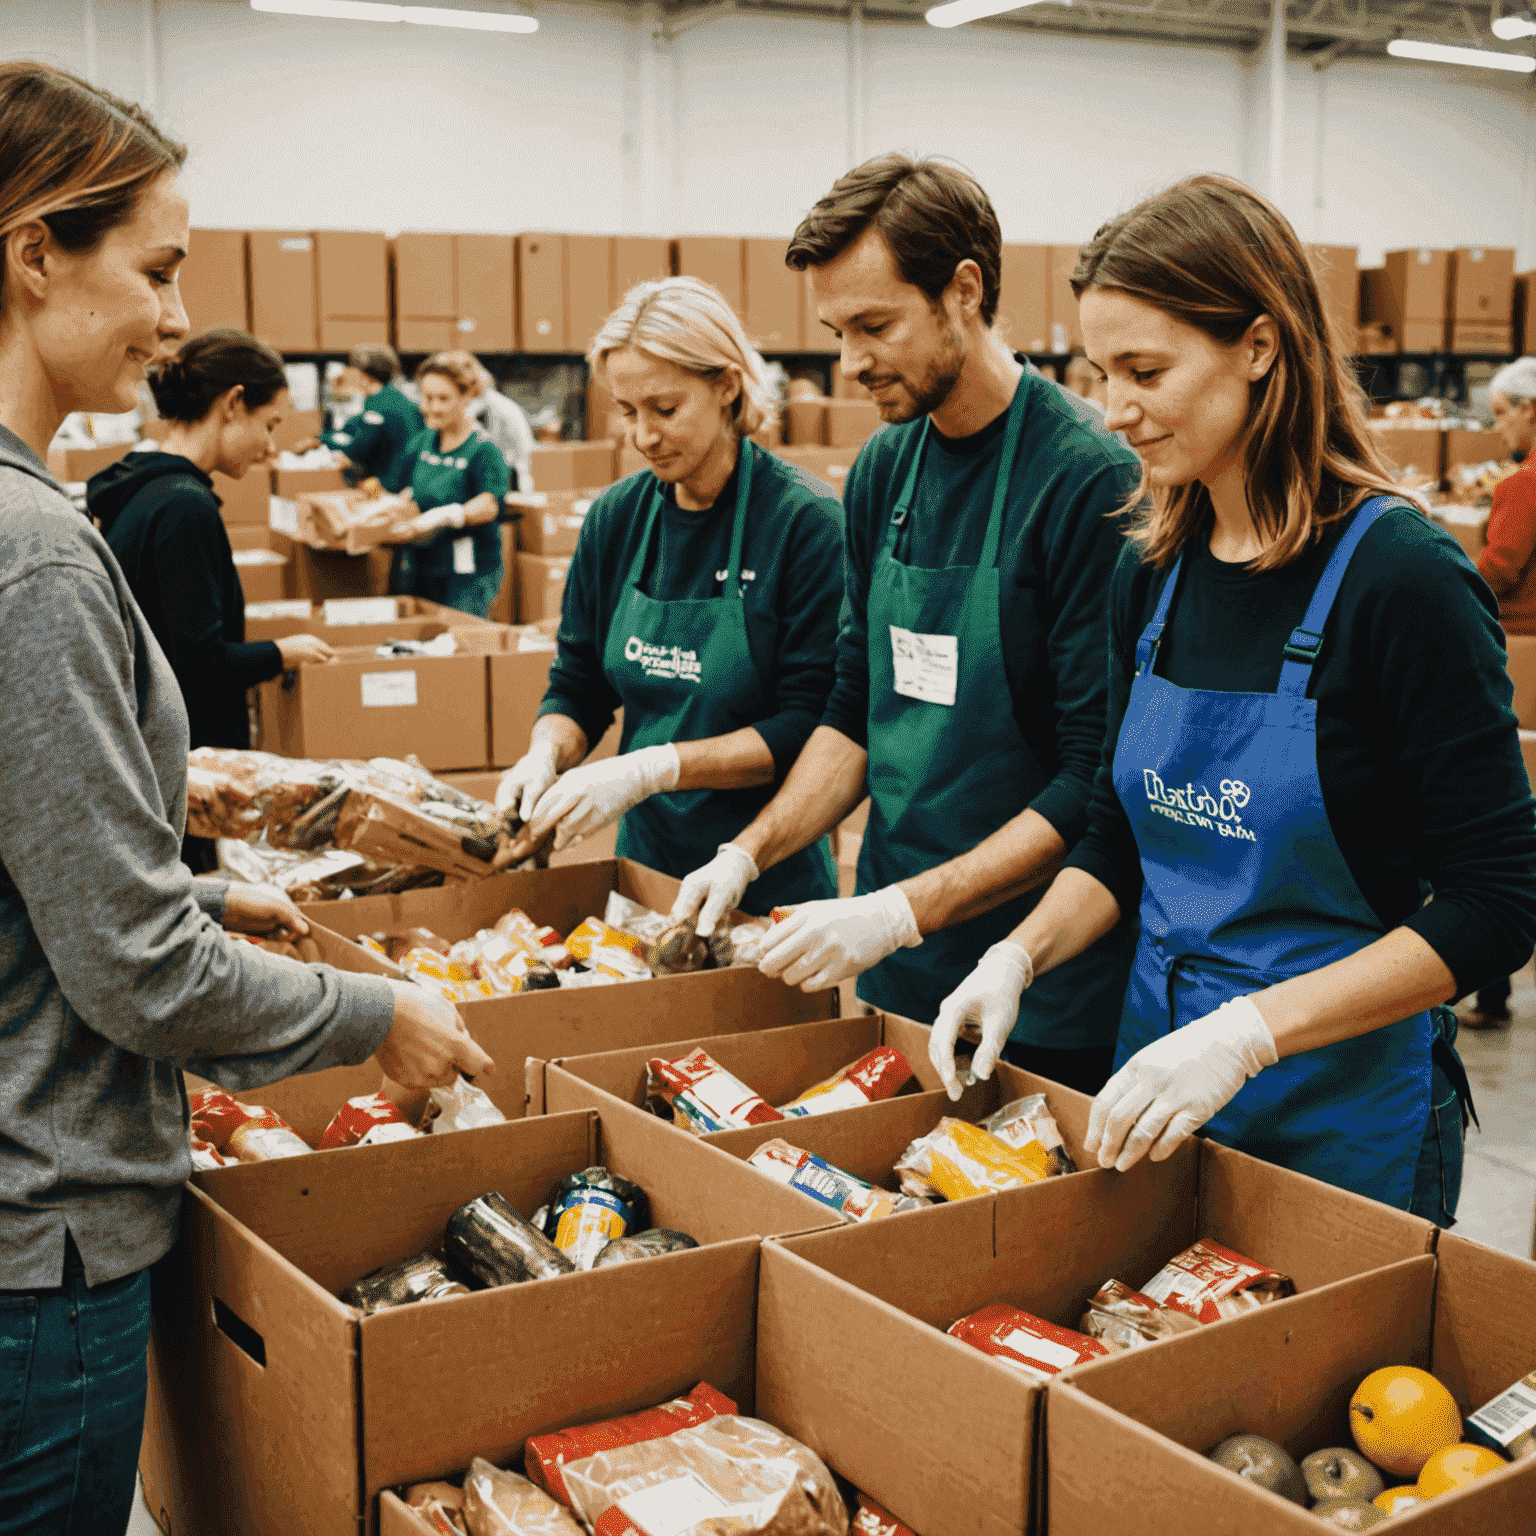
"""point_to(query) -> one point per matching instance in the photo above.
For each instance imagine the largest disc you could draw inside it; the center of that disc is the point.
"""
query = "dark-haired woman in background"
(220, 396)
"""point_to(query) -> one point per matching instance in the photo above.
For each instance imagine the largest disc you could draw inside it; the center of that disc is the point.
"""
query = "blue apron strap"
(1306, 640)
(1151, 636)
(733, 583)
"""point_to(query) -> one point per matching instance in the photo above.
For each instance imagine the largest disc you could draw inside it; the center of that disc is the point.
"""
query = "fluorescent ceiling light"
(1508, 28)
(1482, 58)
(958, 12)
(419, 15)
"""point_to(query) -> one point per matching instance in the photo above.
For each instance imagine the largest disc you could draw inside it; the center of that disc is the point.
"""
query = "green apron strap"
(1011, 433)
(733, 582)
(643, 548)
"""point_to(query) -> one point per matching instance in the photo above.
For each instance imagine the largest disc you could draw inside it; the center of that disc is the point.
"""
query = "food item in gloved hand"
(730, 1474)
(546, 1456)
(679, 950)
(462, 1107)
(834, 1188)
(1349, 1514)
(878, 1074)
(1263, 1462)
(650, 1244)
(1029, 1119)
(1125, 1319)
(588, 1210)
(1400, 1416)
(742, 944)
(875, 1520)
(441, 1505)
(1340, 1473)
(705, 1097)
(1211, 1282)
(498, 1503)
(489, 1238)
(958, 1161)
(1507, 1424)
(423, 1277)
(1030, 1345)
(366, 1121)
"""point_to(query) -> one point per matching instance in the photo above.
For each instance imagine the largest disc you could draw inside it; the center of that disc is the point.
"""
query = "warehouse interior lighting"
(1508, 28)
(1482, 58)
(958, 12)
(416, 15)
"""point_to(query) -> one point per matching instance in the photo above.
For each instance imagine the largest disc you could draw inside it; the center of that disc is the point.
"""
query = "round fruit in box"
(1400, 1416)
(1455, 1466)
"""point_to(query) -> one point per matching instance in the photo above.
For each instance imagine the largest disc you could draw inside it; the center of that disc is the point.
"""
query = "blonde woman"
(702, 600)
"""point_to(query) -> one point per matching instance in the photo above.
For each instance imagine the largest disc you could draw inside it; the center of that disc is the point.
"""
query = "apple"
(1263, 1462)
(1339, 1473)
(1349, 1514)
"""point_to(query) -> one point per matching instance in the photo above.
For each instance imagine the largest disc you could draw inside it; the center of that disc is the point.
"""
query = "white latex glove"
(1169, 1089)
(822, 943)
(988, 999)
(451, 514)
(715, 888)
(526, 780)
(596, 794)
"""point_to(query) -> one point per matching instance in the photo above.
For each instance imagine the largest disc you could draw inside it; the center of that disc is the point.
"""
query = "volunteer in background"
(116, 973)
(970, 669)
(457, 478)
(1084, 379)
(702, 600)
(219, 400)
(504, 421)
(368, 443)
(1508, 565)
(1296, 759)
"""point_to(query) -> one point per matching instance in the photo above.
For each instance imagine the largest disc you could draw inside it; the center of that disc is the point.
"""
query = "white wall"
(741, 123)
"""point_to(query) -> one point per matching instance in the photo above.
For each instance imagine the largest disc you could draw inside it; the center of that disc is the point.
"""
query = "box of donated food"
(353, 621)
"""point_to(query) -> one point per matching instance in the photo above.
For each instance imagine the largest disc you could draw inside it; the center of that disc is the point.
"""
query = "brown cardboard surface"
(828, 464)
(212, 281)
(814, 336)
(246, 500)
(1063, 304)
(1421, 335)
(1417, 448)
(771, 303)
(424, 276)
(1473, 537)
(284, 293)
(540, 586)
(714, 259)
(293, 483)
(1417, 283)
(412, 335)
(1024, 298)
(1523, 340)
(1475, 336)
(517, 681)
(1336, 268)
(1467, 447)
(588, 268)
(1481, 284)
(637, 259)
(851, 423)
(805, 423)
(1522, 672)
(541, 307)
(550, 522)
(418, 620)
(352, 273)
(72, 464)
(263, 583)
(485, 268)
(573, 466)
(341, 334)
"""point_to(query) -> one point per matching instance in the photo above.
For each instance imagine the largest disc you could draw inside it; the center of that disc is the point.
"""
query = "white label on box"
(388, 690)
(927, 666)
(464, 557)
(466, 325)
(550, 525)
(361, 610)
(296, 243)
(1046, 1351)
(283, 515)
(279, 608)
(259, 557)
(675, 1506)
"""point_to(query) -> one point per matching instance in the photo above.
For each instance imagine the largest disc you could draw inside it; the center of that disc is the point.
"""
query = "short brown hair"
(931, 214)
(206, 366)
(73, 156)
(379, 362)
(1213, 254)
(459, 368)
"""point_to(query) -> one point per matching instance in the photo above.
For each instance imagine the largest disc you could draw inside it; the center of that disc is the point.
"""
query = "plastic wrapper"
(391, 828)
(650, 1244)
(1122, 1318)
(206, 1156)
(247, 794)
(244, 1133)
(509, 963)
(878, 1074)
(730, 1474)
(1508, 1423)
(1030, 1119)
(545, 1456)
(590, 1209)
(592, 934)
(679, 951)
(366, 1121)
(834, 1188)
(441, 1505)
(490, 1239)
(398, 945)
(638, 921)
(589, 978)
(957, 1161)
(498, 1503)
(1030, 1345)
(875, 1520)
(422, 1277)
(741, 945)
(1210, 1282)
(620, 964)
(703, 1096)
(541, 941)
(462, 1107)
(214, 1115)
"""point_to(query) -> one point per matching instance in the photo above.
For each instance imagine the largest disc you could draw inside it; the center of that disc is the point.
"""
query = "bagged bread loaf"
(367, 1121)
(498, 1503)
(462, 1107)
(878, 1074)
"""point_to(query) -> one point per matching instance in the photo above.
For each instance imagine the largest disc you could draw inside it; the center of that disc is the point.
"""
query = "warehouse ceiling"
(1328, 28)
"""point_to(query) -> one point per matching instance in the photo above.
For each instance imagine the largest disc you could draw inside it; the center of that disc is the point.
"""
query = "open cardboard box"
(274, 1407)
(862, 1309)
(363, 621)
(1130, 1432)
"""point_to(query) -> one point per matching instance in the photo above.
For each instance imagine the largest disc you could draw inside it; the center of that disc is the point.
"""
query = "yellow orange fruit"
(1398, 1501)
(1400, 1416)
(1455, 1466)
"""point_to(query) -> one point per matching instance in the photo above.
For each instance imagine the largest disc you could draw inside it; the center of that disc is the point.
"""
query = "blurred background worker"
(457, 478)
(1086, 380)
(702, 600)
(1508, 565)
(369, 442)
(504, 421)
(220, 397)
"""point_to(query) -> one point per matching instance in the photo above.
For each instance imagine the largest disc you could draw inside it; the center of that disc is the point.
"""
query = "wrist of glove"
(715, 888)
(987, 1001)
(596, 794)
(450, 515)
(821, 943)
(527, 779)
(1169, 1089)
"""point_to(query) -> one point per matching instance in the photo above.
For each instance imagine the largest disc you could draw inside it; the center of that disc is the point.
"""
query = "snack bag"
(1125, 1319)
(214, 1115)
(206, 1156)
(1029, 1119)
(618, 963)
(835, 1188)
(541, 941)
(593, 933)
(441, 1505)
(498, 1503)
(462, 1107)
(704, 1096)
(589, 1210)
(366, 1121)
(630, 917)
(398, 945)
(1210, 1282)
(263, 1137)
(958, 1160)
(1030, 1345)
(875, 1520)
(878, 1074)
(371, 942)
(545, 1456)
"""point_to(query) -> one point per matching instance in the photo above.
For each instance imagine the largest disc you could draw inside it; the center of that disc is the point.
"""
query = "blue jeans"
(72, 1386)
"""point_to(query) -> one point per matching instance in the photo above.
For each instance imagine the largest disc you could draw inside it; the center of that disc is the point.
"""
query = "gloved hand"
(1169, 1089)
(715, 888)
(526, 780)
(595, 794)
(988, 999)
(450, 514)
(822, 943)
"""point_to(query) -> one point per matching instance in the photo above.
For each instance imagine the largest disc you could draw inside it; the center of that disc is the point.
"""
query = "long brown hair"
(73, 156)
(1215, 255)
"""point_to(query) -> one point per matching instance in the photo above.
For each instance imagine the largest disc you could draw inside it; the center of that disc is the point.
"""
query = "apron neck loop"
(733, 584)
(1152, 635)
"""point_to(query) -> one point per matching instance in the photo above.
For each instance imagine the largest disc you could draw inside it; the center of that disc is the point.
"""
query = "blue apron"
(944, 777)
(1244, 887)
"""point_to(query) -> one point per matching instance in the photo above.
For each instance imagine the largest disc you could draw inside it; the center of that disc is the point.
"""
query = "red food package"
(704, 1096)
(358, 1118)
(875, 1520)
(1029, 1344)
(878, 1074)
(1210, 1282)
(215, 1116)
(544, 1455)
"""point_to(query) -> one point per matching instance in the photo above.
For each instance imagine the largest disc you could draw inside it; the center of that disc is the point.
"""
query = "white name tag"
(464, 557)
(388, 690)
(927, 666)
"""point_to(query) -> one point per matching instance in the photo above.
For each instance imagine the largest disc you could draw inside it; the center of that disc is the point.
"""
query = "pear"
(1263, 1462)
(1350, 1514)
(1340, 1473)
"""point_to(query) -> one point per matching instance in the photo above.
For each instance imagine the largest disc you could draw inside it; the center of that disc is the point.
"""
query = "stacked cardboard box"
(1480, 299)
(454, 291)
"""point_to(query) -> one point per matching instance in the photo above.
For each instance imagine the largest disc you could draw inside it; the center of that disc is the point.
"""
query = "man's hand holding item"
(820, 943)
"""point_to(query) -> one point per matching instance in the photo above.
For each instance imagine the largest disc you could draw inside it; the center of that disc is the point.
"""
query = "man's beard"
(932, 390)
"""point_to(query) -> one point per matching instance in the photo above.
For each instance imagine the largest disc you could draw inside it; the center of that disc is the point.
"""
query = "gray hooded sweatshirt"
(114, 974)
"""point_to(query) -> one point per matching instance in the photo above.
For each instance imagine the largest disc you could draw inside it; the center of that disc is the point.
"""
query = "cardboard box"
(541, 586)
(1336, 268)
(1522, 672)
(717, 260)
(815, 337)
(637, 259)
(542, 321)
(213, 282)
(851, 423)
(1523, 341)
(72, 465)
(1411, 297)
(1130, 1432)
(828, 464)
(290, 484)
(365, 621)
(486, 278)
(352, 279)
(518, 677)
(270, 580)
(297, 427)
(1474, 336)
(246, 500)
(1066, 329)
(1420, 449)
(550, 522)
(454, 291)
(572, 466)
(1481, 285)
(805, 423)
(771, 301)
(1024, 299)
(589, 277)
(1463, 446)
(1467, 525)
(284, 294)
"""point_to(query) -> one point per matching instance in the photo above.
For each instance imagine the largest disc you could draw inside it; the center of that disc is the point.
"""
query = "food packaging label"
(878, 1074)
(361, 610)
(876, 1520)
(830, 1186)
(265, 1140)
(1028, 1344)
(464, 557)
(674, 1507)
(959, 1161)
(358, 1119)
(705, 1097)
(380, 1134)
(587, 1226)
(388, 690)
(1508, 1423)
(1210, 1282)
(927, 666)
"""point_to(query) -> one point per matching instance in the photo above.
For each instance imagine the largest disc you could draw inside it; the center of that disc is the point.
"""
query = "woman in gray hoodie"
(114, 970)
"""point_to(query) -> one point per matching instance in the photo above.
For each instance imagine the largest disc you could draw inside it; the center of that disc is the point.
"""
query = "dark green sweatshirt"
(375, 437)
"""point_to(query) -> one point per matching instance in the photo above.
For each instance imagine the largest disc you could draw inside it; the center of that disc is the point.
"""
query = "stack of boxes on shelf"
(1461, 300)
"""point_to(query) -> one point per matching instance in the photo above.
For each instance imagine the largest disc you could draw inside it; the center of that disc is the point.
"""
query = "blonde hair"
(683, 321)
(459, 368)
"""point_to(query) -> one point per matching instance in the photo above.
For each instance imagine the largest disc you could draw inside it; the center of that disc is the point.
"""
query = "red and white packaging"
(206, 1156)
(365, 1122)
(875, 1520)
(878, 1074)
(1126, 1319)
(264, 1138)
(704, 1096)
(1029, 1344)
(1210, 1282)
(215, 1115)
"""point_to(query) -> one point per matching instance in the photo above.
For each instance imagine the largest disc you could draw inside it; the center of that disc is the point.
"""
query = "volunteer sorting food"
(368, 443)
(970, 667)
(1296, 760)
(702, 600)
(457, 477)
(114, 972)
(220, 398)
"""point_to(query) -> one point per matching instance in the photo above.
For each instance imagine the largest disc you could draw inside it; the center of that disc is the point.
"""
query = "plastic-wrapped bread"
(492, 1240)
(630, 917)
(1126, 1319)
(1210, 1282)
(463, 1107)
(958, 1161)
(264, 1137)
(703, 1096)
(679, 950)
(498, 1503)
(1029, 1344)
(1030, 1119)
(878, 1074)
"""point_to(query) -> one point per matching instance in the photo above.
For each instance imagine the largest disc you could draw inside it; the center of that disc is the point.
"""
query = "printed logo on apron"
(1195, 806)
(667, 661)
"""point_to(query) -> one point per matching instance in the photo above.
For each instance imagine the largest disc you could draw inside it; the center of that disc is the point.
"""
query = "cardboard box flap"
(1483, 1337)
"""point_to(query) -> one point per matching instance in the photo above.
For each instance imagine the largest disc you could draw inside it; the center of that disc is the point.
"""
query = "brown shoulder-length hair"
(1213, 254)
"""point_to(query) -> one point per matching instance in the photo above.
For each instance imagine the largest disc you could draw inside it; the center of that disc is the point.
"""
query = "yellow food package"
(594, 933)
(958, 1160)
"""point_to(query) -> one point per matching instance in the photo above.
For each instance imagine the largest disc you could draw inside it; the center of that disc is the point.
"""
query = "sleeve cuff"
(365, 1013)
(1470, 949)
(855, 726)
(786, 735)
(1125, 888)
(209, 892)
(1065, 806)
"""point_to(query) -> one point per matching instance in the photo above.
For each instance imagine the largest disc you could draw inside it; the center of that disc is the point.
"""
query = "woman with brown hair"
(1296, 760)
(114, 971)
